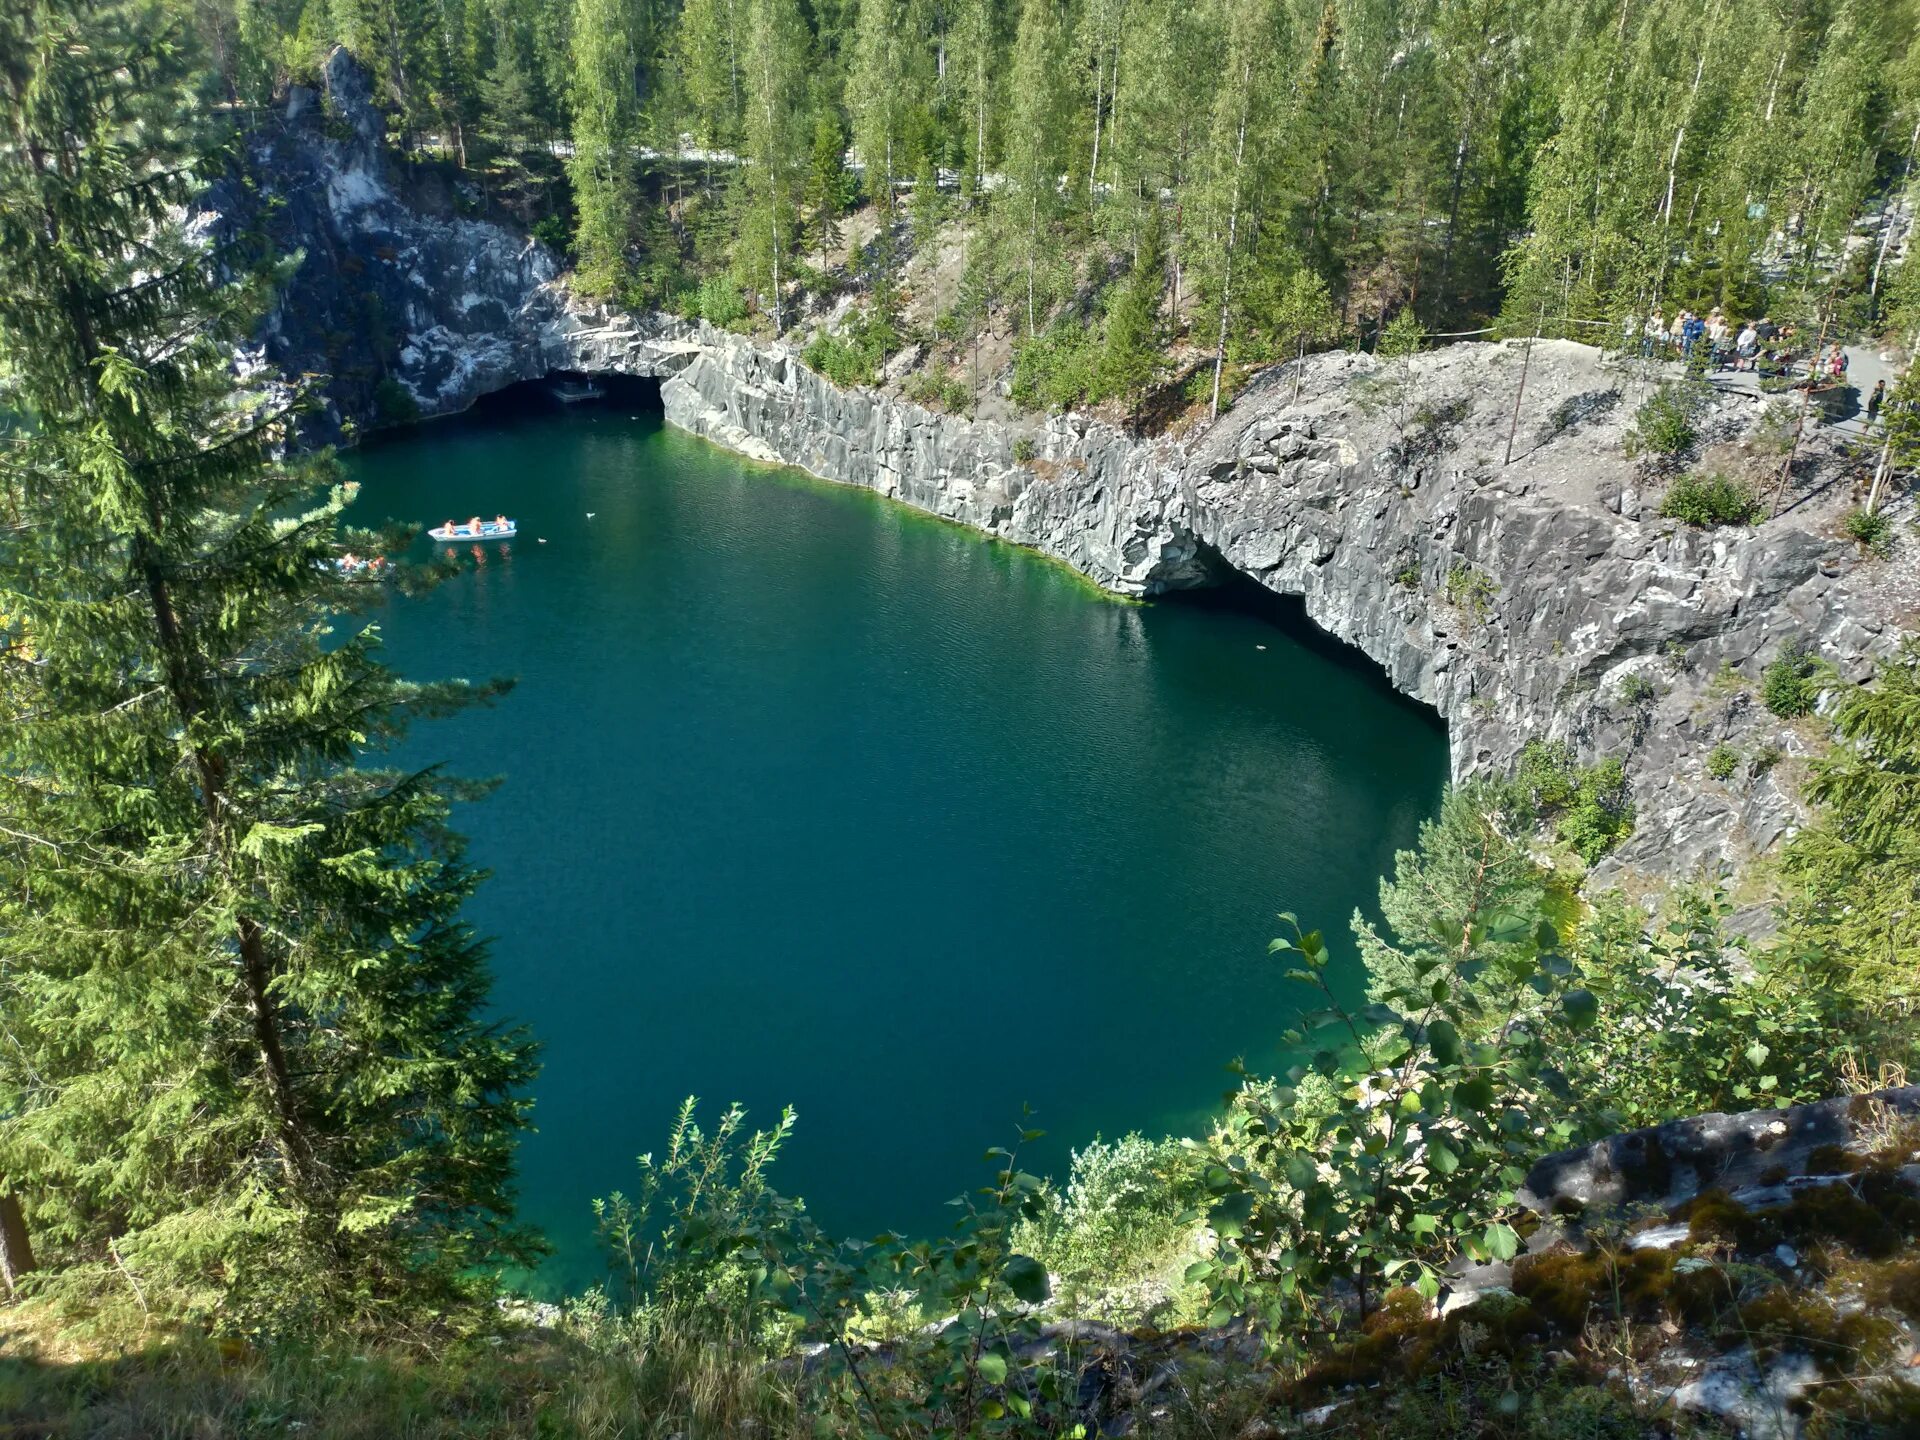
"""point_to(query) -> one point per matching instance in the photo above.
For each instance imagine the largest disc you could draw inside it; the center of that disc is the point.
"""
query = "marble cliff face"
(1540, 597)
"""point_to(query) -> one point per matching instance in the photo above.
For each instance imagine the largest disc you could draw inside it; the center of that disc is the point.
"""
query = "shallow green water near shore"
(811, 799)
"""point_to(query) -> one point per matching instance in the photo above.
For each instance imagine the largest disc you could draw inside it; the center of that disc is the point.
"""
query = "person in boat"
(473, 526)
(447, 525)
(501, 521)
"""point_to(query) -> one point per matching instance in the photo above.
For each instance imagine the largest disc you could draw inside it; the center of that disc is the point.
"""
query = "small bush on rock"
(1723, 762)
(395, 402)
(1663, 425)
(1590, 802)
(721, 302)
(1470, 590)
(1708, 500)
(855, 355)
(1870, 530)
(1790, 686)
(1055, 370)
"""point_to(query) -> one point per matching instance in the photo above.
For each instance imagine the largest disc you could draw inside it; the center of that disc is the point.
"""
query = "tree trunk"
(1886, 236)
(1093, 167)
(16, 1251)
(1233, 232)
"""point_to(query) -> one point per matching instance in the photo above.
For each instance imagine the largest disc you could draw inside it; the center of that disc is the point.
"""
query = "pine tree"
(707, 49)
(776, 87)
(246, 1063)
(1857, 866)
(1036, 139)
(877, 93)
(508, 103)
(973, 55)
(1237, 152)
(604, 130)
(1134, 336)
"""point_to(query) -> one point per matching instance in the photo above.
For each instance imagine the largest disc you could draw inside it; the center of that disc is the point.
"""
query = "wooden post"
(1806, 402)
(16, 1251)
(1526, 364)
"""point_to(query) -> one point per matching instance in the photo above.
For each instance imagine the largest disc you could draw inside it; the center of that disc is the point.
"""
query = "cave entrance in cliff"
(581, 392)
(1234, 592)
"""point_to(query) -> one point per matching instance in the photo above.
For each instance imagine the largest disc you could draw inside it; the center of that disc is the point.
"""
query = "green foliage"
(854, 355)
(1471, 860)
(1722, 761)
(249, 1061)
(1663, 425)
(1403, 337)
(1589, 804)
(1133, 345)
(1023, 451)
(1117, 1227)
(1790, 685)
(394, 402)
(720, 302)
(1707, 500)
(1856, 869)
(1636, 689)
(1055, 370)
(1429, 1133)
(1694, 1020)
(551, 231)
(605, 128)
(937, 386)
(1870, 530)
(1470, 591)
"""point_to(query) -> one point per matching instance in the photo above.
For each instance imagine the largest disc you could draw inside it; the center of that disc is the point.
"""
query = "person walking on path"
(1876, 400)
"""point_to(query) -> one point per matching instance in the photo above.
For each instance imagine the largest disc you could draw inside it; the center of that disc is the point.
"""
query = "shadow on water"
(1237, 593)
(628, 396)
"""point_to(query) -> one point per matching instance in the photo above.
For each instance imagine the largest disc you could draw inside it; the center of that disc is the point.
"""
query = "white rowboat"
(487, 530)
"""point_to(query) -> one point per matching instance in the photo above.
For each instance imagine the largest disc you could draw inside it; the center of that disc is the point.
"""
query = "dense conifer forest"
(257, 1117)
(1287, 172)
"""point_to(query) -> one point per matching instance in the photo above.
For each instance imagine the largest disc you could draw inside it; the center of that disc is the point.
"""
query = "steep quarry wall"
(1537, 597)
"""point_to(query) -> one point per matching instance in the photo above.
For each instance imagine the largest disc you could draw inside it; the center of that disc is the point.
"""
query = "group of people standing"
(1757, 345)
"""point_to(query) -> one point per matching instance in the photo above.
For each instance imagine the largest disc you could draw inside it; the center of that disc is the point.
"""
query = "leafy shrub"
(1426, 1135)
(1685, 1029)
(1470, 590)
(1707, 500)
(1722, 762)
(721, 301)
(1869, 529)
(1600, 815)
(938, 387)
(1055, 369)
(1408, 575)
(1023, 449)
(1663, 425)
(394, 402)
(551, 231)
(1548, 772)
(1636, 689)
(1122, 1214)
(855, 355)
(1790, 686)
(1590, 803)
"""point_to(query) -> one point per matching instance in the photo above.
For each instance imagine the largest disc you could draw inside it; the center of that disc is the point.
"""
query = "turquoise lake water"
(810, 799)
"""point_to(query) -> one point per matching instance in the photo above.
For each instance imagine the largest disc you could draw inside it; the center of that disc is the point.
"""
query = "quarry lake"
(810, 799)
